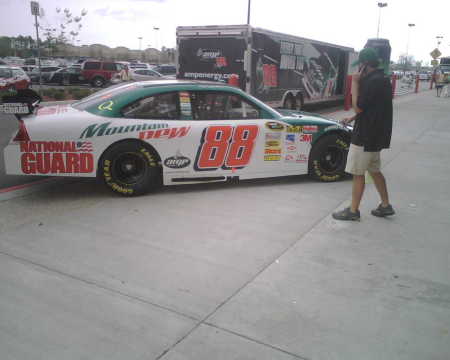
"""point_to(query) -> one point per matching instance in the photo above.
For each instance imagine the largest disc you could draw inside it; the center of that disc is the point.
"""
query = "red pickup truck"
(98, 73)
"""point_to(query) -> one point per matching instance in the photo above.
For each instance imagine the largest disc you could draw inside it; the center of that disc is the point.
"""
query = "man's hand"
(347, 120)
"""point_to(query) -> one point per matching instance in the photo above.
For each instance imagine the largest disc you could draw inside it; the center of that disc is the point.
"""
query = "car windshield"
(102, 95)
(5, 73)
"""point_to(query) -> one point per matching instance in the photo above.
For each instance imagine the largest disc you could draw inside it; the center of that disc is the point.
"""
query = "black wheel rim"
(332, 159)
(129, 168)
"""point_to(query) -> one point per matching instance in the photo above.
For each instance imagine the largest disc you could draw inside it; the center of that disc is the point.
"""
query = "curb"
(32, 187)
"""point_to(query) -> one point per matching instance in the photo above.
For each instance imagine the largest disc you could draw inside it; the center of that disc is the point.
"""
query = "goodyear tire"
(129, 168)
(328, 158)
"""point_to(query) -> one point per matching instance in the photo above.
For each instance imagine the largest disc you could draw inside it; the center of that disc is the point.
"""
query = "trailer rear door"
(211, 58)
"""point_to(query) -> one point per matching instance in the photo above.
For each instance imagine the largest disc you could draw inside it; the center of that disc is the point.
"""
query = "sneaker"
(347, 214)
(382, 211)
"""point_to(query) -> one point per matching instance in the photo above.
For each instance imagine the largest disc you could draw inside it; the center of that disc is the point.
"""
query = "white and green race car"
(138, 136)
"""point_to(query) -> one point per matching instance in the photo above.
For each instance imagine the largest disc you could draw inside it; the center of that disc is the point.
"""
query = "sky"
(345, 22)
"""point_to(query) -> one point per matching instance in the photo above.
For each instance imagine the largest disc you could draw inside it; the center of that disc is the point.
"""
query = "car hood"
(294, 117)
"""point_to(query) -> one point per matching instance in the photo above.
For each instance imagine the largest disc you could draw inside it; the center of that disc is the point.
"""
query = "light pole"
(140, 42)
(439, 38)
(156, 29)
(380, 5)
(410, 25)
(248, 11)
(409, 34)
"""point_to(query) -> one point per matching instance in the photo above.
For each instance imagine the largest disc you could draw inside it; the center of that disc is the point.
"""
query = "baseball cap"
(366, 55)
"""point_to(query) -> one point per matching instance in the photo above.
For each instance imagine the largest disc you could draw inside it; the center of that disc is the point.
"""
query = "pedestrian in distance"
(439, 83)
(372, 102)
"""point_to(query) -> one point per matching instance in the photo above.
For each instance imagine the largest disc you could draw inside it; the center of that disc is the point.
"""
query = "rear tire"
(98, 82)
(328, 158)
(300, 102)
(289, 103)
(129, 168)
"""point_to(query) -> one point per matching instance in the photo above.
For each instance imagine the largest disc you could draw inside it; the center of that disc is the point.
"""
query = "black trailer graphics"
(206, 59)
(280, 69)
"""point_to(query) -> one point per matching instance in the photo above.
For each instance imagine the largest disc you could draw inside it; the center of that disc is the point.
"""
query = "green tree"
(65, 31)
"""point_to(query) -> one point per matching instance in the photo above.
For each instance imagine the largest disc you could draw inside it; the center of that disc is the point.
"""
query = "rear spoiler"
(20, 102)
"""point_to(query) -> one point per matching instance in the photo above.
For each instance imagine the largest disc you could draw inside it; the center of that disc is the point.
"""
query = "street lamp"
(140, 42)
(380, 5)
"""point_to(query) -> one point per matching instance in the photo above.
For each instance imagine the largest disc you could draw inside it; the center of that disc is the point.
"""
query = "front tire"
(129, 168)
(328, 158)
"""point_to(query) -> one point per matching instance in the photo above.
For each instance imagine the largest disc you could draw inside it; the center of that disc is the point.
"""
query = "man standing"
(372, 102)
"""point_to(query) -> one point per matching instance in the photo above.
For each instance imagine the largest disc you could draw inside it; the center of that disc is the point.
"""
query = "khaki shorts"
(360, 161)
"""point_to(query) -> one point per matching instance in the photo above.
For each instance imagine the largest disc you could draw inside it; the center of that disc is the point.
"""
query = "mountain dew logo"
(106, 129)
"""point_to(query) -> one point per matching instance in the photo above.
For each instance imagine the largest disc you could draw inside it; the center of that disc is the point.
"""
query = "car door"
(165, 127)
(231, 137)
(20, 79)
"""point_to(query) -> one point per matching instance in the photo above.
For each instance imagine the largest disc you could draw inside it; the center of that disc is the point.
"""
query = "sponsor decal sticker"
(290, 139)
(107, 105)
(272, 151)
(299, 158)
(56, 157)
(14, 108)
(272, 125)
(185, 104)
(273, 136)
(305, 138)
(272, 157)
(273, 143)
(106, 129)
(165, 133)
(294, 129)
(177, 161)
(291, 148)
(310, 128)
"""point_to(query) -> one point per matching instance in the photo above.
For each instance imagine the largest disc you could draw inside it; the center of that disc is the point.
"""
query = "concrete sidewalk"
(257, 271)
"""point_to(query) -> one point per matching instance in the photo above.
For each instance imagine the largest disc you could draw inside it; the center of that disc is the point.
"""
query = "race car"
(138, 136)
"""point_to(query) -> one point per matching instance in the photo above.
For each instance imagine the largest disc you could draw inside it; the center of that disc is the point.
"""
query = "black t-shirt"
(373, 126)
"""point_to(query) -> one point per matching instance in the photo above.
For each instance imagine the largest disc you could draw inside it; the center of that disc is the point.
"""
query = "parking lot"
(256, 270)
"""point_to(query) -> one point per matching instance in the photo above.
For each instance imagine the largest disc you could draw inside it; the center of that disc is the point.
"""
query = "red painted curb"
(24, 186)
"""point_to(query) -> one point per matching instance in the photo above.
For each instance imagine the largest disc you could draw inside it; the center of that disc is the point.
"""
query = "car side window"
(92, 66)
(215, 105)
(140, 72)
(161, 107)
(152, 73)
(109, 66)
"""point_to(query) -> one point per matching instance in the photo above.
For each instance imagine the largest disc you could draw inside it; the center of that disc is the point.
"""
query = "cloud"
(102, 11)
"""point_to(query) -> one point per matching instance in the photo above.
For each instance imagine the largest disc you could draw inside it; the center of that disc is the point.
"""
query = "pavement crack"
(96, 285)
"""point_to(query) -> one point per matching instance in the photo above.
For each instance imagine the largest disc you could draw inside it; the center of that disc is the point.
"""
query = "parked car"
(134, 66)
(169, 71)
(13, 77)
(28, 69)
(67, 76)
(424, 76)
(98, 73)
(139, 135)
(46, 72)
(145, 74)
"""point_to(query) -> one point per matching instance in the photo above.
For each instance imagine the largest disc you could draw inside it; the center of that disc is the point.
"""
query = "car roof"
(10, 67)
